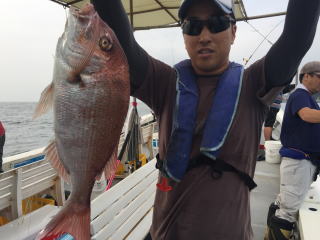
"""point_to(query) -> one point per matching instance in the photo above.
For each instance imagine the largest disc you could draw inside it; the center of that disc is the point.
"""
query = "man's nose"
(205, 35)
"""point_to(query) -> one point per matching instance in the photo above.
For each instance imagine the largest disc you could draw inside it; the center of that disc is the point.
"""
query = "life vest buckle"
(163, 185)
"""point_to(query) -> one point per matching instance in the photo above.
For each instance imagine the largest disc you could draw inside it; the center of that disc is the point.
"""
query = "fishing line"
(264, 38)
(65, 11)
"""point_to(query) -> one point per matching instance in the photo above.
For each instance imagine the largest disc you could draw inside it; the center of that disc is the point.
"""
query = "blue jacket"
(218, 123)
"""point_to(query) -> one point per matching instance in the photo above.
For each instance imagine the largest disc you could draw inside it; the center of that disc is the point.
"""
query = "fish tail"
(45, 102)
(72, 223)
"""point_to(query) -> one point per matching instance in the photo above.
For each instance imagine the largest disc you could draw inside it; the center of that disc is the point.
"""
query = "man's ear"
(233, 32)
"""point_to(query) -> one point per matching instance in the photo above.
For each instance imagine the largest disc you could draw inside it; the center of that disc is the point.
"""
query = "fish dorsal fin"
(52, 155)
(45, 102)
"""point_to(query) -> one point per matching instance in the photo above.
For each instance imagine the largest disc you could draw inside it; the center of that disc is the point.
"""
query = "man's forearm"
(309, 115)
(113, 13)
(285, 55)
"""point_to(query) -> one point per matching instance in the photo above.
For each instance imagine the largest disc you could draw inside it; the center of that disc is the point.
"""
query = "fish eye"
(105, 43)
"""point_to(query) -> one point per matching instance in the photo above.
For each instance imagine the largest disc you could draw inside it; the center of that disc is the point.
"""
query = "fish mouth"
(81, 18)
(79, 38)
(85, 12)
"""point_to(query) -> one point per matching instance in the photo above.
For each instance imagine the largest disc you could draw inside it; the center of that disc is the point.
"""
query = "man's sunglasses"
(215, 24)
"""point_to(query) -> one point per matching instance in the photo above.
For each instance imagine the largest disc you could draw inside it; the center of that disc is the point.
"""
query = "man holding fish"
(205, 107)
(210, 114)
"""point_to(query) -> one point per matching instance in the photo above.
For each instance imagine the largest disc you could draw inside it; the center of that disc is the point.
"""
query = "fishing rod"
(264, 39)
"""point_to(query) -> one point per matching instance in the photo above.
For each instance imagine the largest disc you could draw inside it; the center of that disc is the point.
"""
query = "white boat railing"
(124, 212)
(28, 174)
(22, 159)
(309, 214)
(26, 181)
(148, 123)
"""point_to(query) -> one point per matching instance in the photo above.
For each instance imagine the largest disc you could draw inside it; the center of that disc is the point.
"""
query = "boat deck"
(266, 176)
(268, 181)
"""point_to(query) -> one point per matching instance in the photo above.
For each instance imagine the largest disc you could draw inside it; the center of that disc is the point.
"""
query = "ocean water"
(23, 133)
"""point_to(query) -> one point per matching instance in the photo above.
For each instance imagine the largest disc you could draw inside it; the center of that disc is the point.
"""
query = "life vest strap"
(218, 166)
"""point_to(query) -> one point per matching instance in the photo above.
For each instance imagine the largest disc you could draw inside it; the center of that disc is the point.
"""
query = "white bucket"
(272, 151)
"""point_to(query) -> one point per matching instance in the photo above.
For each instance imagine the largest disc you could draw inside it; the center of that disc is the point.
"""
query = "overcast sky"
(30, 29)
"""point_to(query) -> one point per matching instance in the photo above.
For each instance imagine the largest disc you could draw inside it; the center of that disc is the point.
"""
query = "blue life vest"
(218, 122)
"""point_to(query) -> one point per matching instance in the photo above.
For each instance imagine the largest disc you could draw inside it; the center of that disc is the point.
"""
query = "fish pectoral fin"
(45, 102)
(74, 78)
(51, 153)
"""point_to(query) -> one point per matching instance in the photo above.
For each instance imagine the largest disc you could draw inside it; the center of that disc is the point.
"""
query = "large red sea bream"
(90, 95)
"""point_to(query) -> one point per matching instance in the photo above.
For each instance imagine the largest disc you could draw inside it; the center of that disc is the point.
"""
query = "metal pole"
(135, 137)
(262, 16)
(131, 13)
(134, 103)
